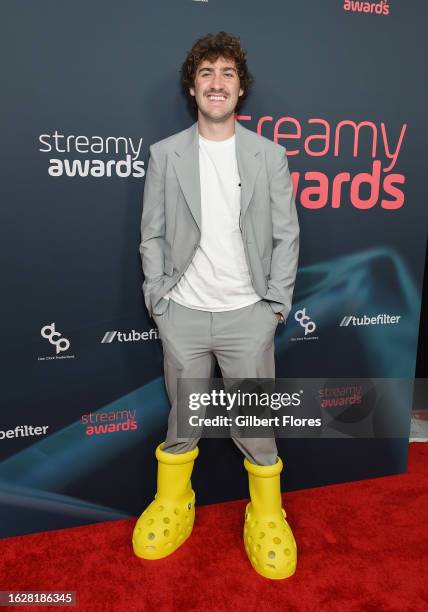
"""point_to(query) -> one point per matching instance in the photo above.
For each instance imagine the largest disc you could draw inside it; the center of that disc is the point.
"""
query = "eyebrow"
(211, 69)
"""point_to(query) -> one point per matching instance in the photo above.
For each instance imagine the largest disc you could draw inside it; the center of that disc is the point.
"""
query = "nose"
(217, 81)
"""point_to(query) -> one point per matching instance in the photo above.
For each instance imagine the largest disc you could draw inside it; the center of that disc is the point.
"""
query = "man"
(219, 248)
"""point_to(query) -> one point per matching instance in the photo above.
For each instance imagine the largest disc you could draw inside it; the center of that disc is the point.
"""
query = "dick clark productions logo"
(305, 321)
(49, 332)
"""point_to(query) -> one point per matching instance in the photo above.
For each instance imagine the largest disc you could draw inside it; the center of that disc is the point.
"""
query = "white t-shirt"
(217, 278)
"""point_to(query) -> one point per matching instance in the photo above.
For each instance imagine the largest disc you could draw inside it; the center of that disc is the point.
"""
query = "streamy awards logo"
(373, 8)
(109, 421)
(377, 146)
(92, 156)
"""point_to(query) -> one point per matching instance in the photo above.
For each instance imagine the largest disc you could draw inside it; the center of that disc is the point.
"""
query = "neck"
(216, 130)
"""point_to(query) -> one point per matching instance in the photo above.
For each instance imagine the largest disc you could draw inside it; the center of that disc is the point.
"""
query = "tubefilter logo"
(120, 155)
(132, 336)
(380, 319)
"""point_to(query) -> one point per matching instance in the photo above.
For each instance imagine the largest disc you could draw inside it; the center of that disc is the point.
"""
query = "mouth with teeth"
(216, 98)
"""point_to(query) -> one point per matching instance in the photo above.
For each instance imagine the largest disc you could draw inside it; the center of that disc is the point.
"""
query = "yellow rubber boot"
(168, 521)
(268, 539)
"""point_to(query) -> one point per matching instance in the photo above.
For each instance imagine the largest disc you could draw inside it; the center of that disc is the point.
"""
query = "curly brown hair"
(210, 47)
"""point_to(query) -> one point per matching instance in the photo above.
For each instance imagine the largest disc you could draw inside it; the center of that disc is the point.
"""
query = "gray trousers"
(241, 340)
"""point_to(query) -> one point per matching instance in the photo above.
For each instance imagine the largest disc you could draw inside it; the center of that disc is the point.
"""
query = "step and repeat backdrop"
(90, 86)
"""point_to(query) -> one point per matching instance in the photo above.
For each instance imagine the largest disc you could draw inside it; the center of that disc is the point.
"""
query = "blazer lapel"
(186, 164)
(248, 159)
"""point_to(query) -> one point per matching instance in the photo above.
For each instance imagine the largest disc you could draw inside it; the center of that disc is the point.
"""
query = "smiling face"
(216, 89)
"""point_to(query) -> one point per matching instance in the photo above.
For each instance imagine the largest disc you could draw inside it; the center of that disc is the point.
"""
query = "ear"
(241, 91)
(192, 91)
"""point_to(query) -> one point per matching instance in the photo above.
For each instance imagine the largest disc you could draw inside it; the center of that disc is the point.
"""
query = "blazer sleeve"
(153, 224)
(285, 224)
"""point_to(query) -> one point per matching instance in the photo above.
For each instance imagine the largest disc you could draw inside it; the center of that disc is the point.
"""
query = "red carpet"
(362, 546)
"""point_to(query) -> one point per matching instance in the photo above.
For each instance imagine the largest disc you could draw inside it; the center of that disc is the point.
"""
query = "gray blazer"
(171, 218)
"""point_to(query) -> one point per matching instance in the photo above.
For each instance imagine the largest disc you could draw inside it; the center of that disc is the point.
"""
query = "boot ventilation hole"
(277, 541)
(150, 521)
(271, 553)
(160, 508)
(270, 565)
(166, 519)
(151, 535)
(176, 511)
(272, 525)
(261, 535)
